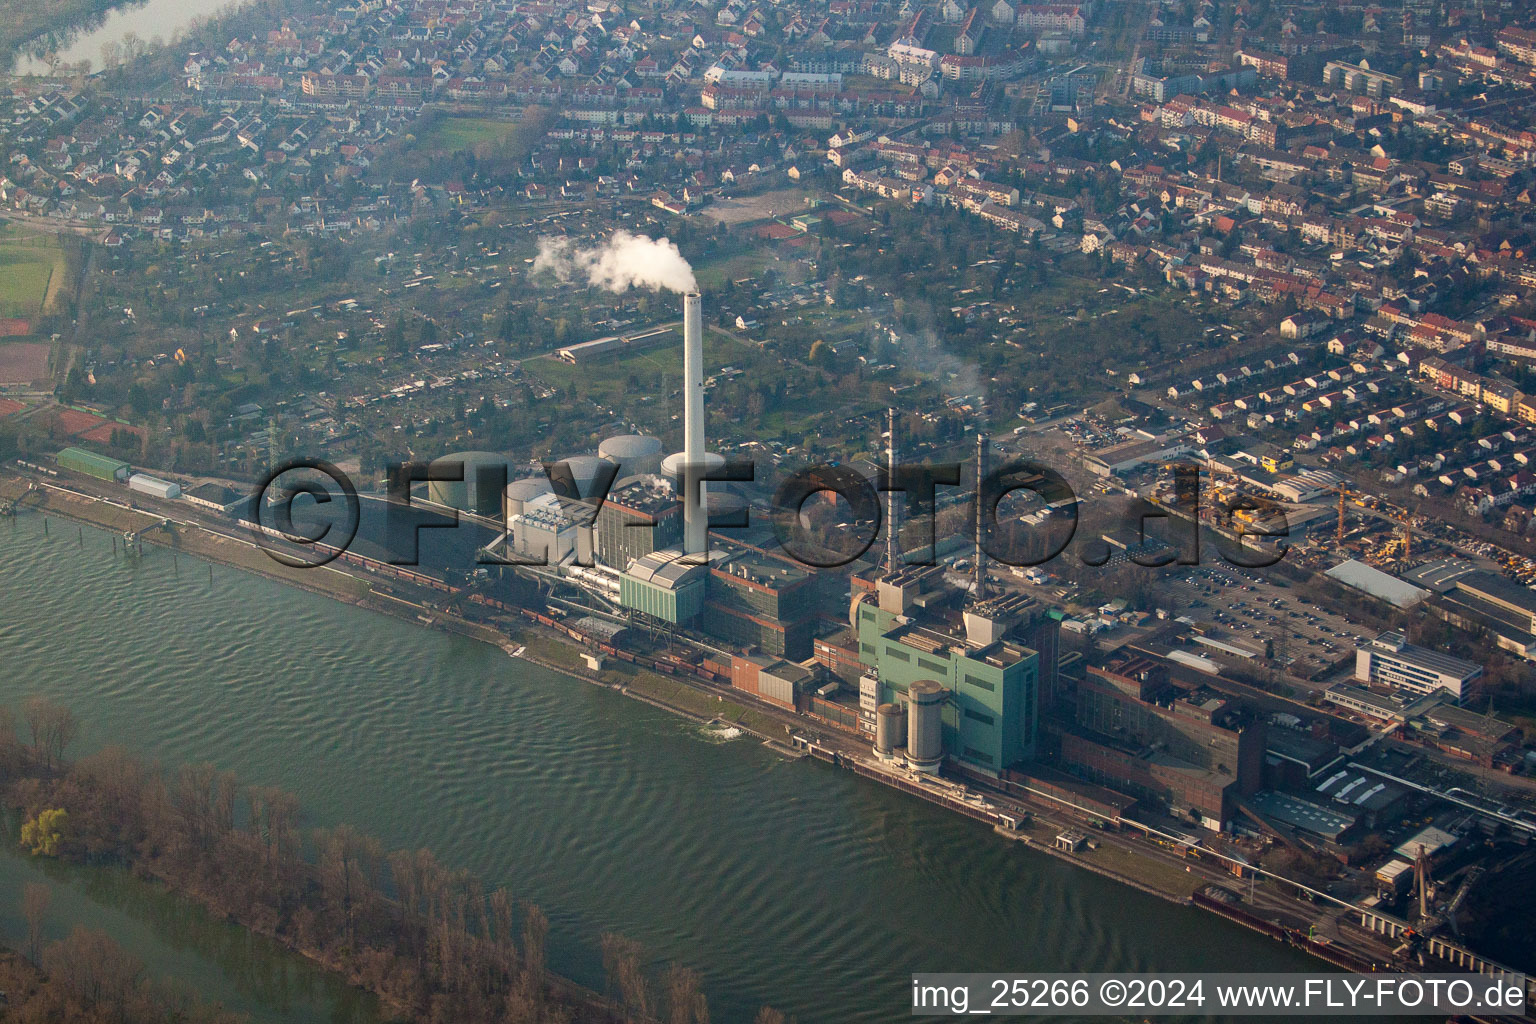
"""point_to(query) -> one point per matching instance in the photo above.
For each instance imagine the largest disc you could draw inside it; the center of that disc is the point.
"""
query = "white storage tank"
(154, 486)
(634, 454)
(521, 492)
(925, 725)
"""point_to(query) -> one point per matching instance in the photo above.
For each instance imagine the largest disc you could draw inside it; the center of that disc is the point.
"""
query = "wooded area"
(428, 939)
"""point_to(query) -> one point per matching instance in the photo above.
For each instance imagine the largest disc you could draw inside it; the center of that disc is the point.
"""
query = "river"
(147, 19)
(788, 883)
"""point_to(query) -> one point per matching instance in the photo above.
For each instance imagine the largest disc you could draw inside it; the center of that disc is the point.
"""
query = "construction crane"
(1404, 521)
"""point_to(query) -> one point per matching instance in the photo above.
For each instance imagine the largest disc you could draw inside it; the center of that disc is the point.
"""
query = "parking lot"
(1253, 610)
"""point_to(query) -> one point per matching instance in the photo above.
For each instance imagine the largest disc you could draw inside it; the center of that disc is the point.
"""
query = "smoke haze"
(624, 261)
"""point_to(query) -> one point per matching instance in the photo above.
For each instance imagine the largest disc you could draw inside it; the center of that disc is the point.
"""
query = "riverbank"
(437, 940)
(1116, 860)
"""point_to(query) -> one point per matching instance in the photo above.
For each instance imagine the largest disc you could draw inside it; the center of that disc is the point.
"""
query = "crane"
(1405, 520)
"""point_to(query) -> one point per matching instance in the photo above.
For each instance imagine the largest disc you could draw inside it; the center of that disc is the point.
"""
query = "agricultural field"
(31, 269)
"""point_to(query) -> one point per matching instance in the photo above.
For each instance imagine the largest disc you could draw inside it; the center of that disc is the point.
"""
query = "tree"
(53, 726)
(35, 897)
(43, 835)
(626, 978)
(768, 1015)
(95, 970)
(535, 938)
(685, 998)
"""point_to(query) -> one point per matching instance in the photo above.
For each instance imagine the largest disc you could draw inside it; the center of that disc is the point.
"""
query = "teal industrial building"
(913, 630)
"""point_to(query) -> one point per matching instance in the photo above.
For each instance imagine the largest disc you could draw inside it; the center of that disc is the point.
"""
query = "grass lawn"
(452, 134)
(27, 263)
(657, 367)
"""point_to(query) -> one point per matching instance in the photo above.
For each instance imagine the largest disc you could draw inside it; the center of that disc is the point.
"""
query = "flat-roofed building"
(912, 632)
(1191, 753)
(1383, 707)
(1391, 661)
(635, 520)
(756, 601)
(1383, 586)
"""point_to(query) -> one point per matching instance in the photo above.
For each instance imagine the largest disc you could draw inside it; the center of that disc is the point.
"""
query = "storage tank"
(890, 730)
(583, 469)
(634, 454)
(520, 492)
(480, 492)
(925, 725)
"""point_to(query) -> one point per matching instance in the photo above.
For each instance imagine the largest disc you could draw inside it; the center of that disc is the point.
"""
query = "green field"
(27, 264)
(452, 134)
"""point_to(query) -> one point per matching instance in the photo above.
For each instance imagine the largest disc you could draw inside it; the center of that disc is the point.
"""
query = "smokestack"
(980, 589)
(695, 511)
(891, 537)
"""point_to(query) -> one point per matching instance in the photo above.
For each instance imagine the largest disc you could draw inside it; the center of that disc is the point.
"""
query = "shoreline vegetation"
(48, 983)
(29, 23)
(429, 941)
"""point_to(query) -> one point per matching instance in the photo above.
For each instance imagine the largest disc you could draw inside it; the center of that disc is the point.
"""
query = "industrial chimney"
(688, 466)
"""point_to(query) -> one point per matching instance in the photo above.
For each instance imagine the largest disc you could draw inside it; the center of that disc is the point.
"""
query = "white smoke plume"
(624, 261)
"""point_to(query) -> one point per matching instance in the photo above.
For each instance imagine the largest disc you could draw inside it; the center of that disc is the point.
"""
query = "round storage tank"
(925, 725)
(583, 469)
(480, 492)
(890, 730)
(520, 492)
(634, 454)
(722, 505)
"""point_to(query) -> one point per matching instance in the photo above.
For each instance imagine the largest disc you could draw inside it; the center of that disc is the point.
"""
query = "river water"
(149, 20)
(788, 883)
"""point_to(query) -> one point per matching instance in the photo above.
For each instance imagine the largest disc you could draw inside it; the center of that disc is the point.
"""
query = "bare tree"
(53, 727)
(685, 997)
(626, 977)
(10, 745)
(93, 968)
(535, 938)
(35, 897)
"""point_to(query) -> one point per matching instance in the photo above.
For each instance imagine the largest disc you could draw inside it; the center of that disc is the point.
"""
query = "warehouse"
(78, 460)
(153, 486)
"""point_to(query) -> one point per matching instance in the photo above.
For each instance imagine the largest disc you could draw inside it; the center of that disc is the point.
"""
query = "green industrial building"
(992, 678)
(664, 586)
(78, 460)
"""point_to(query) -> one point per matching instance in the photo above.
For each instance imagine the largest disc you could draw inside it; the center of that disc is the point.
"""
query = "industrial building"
(1192, 753)
(970, 667)
(639, 516)
(771, 679)
(759, 602)
(1391, 661)
(667, 586)
(79, 460)
(1476, 599)
(153, 486)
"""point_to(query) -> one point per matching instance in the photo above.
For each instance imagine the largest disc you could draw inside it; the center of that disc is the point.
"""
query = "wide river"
(149, 20)
(788, 883)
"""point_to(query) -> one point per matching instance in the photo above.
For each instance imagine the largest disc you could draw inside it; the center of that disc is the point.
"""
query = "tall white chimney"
(695, 512)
